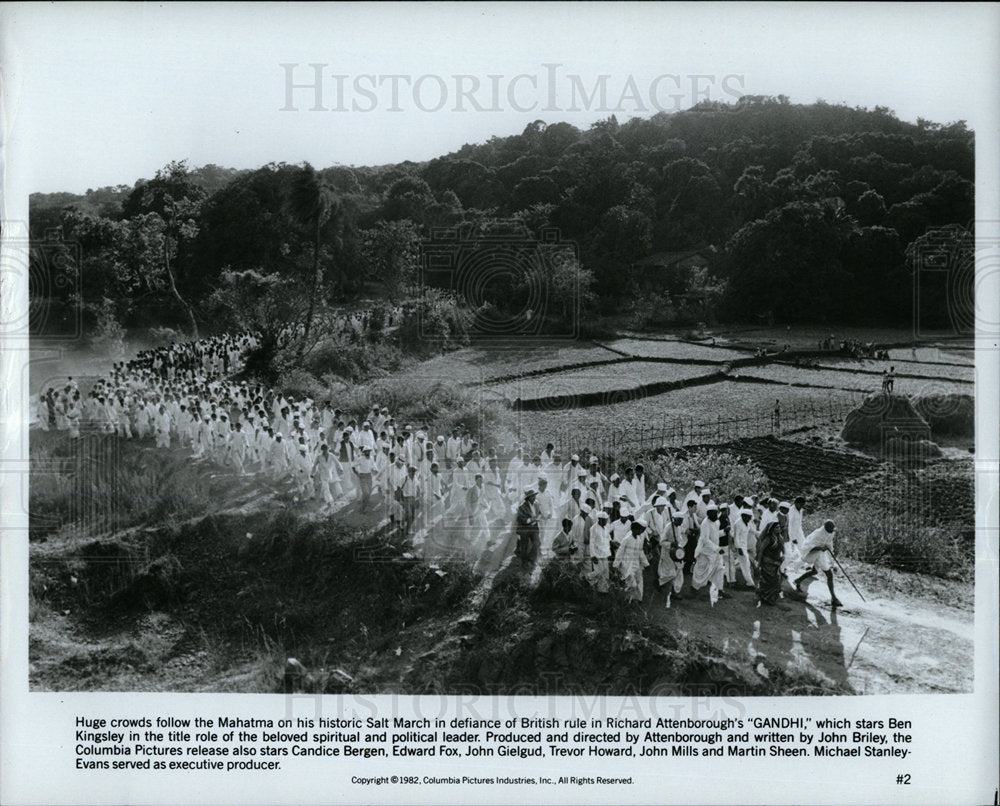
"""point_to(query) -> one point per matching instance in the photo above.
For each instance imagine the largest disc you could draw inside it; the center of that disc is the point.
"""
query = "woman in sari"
(770, 555)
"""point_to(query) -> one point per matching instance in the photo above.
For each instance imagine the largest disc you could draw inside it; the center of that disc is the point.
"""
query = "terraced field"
(726, 399)
(656, 348)
(932, 355)
(627, 377)
(476, 365)
(939, 370)
(851, 381)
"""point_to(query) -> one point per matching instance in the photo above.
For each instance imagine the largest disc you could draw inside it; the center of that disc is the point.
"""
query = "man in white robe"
(631, 561)
(663, 526)
(796, 534)
(239, 448)
(461, 481)
(597, 572)
(741, 549)
(708, 554)
(546, 514)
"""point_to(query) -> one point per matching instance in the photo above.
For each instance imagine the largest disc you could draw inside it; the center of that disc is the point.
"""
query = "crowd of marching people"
(609, 526)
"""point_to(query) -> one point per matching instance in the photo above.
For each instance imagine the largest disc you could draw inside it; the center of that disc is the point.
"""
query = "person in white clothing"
(702, 504)
(631, 561)
(742, 547)
(546, 514)
(454, 449)
(162, 426)
(627, 488)
(796, 534)
(597, 572)
(817, 553)
(478, 514)
(708, 554)
(239, 448)
(665, 523)
(326, 477)
(461, 481)
(433, 491)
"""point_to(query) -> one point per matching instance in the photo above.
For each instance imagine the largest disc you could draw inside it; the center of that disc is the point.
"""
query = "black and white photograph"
(598, 350)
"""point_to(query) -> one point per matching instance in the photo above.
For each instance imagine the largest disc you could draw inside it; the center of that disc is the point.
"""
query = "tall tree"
(163, 213)
(312, 203)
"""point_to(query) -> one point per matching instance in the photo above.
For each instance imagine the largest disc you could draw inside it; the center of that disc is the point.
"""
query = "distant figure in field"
(891, 378)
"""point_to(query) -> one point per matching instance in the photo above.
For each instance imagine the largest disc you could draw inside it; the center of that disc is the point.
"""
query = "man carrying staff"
(817, 553)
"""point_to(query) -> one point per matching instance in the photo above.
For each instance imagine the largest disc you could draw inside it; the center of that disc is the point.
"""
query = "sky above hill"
(101, 94)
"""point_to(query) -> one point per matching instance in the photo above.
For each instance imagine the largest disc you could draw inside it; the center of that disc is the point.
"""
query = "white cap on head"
(575, 457)
(706, 491)
(746, 512)
(784, 505)
(711, 507)
(659, 501)
(662, 486)
(602, 515)
(615, 477)
(699, 484)
(641, 522)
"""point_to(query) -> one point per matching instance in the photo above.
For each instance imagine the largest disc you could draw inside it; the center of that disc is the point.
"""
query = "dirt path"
(893, 643)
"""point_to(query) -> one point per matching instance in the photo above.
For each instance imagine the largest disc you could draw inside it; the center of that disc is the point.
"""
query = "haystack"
(882, 416)
(952, 414)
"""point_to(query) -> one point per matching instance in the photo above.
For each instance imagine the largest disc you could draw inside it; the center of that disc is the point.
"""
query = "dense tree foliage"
(812, 210)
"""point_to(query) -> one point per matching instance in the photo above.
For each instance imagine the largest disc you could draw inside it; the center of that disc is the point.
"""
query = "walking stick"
(847, 577)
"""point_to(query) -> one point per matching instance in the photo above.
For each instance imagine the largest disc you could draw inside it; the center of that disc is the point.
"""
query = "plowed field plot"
(473, 364)
(625, 376)
(674, 349)
(795, 469)
(964, 374)
(932, 356)
(849, 380)
(727, 399)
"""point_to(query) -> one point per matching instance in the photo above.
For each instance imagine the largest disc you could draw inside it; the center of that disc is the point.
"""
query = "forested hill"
(812, 212)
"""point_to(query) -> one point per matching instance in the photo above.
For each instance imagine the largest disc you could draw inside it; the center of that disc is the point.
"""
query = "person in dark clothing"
(526, 527)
